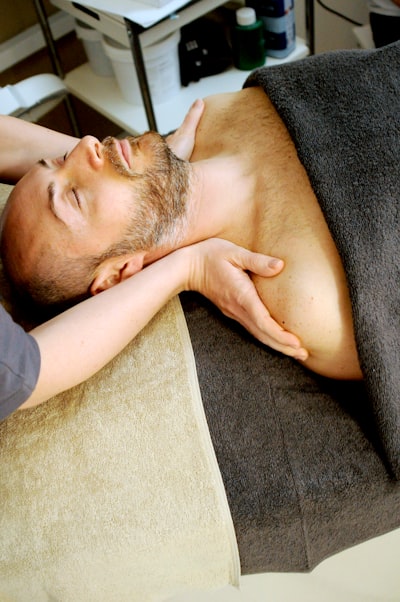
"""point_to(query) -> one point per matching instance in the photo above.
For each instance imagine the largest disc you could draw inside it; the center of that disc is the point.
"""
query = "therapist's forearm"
(77, 343)
(24, 143)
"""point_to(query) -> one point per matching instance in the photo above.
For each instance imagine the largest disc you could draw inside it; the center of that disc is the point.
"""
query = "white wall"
(332, 32)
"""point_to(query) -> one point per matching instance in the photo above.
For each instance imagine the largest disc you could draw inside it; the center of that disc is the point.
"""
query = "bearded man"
(101, 213)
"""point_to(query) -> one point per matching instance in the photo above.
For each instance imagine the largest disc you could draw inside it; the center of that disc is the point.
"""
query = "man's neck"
(223, 200)
(220, 204)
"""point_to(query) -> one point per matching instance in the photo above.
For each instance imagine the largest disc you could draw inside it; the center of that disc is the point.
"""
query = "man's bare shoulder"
(242, 102)
(232, 118)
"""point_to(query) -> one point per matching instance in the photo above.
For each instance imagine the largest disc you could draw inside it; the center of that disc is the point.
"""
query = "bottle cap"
(246, 16)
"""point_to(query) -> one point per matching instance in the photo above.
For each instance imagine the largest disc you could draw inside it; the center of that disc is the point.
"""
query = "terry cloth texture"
(111, 491)
(342, 110)
(298, 453)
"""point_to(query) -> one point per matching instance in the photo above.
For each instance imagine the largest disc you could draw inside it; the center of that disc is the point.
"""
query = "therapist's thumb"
(262, 265)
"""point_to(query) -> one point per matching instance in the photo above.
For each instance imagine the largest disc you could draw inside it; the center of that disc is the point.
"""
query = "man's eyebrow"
(43, 163)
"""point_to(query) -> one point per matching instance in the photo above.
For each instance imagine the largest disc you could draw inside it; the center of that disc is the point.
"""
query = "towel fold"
(111, 491)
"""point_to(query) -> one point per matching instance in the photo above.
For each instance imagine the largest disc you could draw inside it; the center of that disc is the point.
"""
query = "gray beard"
(159, 217)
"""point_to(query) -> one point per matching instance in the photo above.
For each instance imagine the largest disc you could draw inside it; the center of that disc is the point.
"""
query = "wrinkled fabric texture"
(298, 453)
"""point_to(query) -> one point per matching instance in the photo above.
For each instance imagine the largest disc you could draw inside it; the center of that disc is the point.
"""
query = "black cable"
(335, 12)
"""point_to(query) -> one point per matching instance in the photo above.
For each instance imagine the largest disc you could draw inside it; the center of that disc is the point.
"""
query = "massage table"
(198, 457)
(299, 465)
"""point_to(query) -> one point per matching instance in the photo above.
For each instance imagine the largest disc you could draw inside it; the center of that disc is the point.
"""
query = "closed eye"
(76, 196)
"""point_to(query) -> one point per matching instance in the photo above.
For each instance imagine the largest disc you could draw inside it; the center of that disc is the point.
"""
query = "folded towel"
(111, 491)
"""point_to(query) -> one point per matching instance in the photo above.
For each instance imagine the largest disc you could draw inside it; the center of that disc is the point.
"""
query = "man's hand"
(218, 271)
(181, 142)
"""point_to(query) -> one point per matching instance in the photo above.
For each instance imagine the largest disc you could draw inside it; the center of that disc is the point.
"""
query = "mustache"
(111, 154)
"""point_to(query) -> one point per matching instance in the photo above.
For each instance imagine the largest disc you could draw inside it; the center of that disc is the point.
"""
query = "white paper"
(135, 11)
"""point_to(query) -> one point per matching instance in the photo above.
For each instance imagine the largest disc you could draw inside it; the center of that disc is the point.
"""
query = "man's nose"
(91, 152)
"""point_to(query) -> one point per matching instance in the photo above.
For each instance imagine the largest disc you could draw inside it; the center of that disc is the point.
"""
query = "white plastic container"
(162, 67)
(92, 43)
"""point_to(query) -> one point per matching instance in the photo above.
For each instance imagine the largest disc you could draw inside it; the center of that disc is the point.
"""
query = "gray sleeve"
(19, 364)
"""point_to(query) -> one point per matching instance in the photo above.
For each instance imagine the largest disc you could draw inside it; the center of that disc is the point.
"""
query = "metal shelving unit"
(151, 25)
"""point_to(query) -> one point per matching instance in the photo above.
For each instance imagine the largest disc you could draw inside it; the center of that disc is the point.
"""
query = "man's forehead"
(24, 202)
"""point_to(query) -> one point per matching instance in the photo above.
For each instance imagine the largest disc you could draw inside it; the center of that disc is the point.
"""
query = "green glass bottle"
(248, 45)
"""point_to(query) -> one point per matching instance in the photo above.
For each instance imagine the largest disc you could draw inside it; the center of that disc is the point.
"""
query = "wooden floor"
(71, 54)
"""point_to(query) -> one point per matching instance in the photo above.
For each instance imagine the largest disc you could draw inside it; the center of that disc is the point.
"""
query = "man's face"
(81, 204)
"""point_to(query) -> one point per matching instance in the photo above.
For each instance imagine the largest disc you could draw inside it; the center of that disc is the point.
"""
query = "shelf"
(103, 95)
(157, 23)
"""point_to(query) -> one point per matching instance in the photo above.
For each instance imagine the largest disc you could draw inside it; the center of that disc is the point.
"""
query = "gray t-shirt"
(19, 364)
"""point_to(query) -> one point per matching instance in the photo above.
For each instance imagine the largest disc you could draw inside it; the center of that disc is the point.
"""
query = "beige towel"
(4, 192)
(111, 492)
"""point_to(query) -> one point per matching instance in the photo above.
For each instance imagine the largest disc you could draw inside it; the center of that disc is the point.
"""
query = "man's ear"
(114, 270)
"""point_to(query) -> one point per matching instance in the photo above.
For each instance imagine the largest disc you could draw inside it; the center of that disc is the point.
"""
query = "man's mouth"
(124, 151)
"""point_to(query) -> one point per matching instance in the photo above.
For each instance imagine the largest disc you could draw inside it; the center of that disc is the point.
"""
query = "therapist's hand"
(219, 272)
(181, 142)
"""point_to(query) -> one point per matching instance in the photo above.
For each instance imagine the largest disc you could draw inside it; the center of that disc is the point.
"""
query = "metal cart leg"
(137, 53)
(310, 25)
(44, 24)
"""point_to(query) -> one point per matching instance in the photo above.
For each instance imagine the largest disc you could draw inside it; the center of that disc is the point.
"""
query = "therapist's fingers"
(181, 142)
(254, 316)
(245, 306)
(220, 271)
(248, 309)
